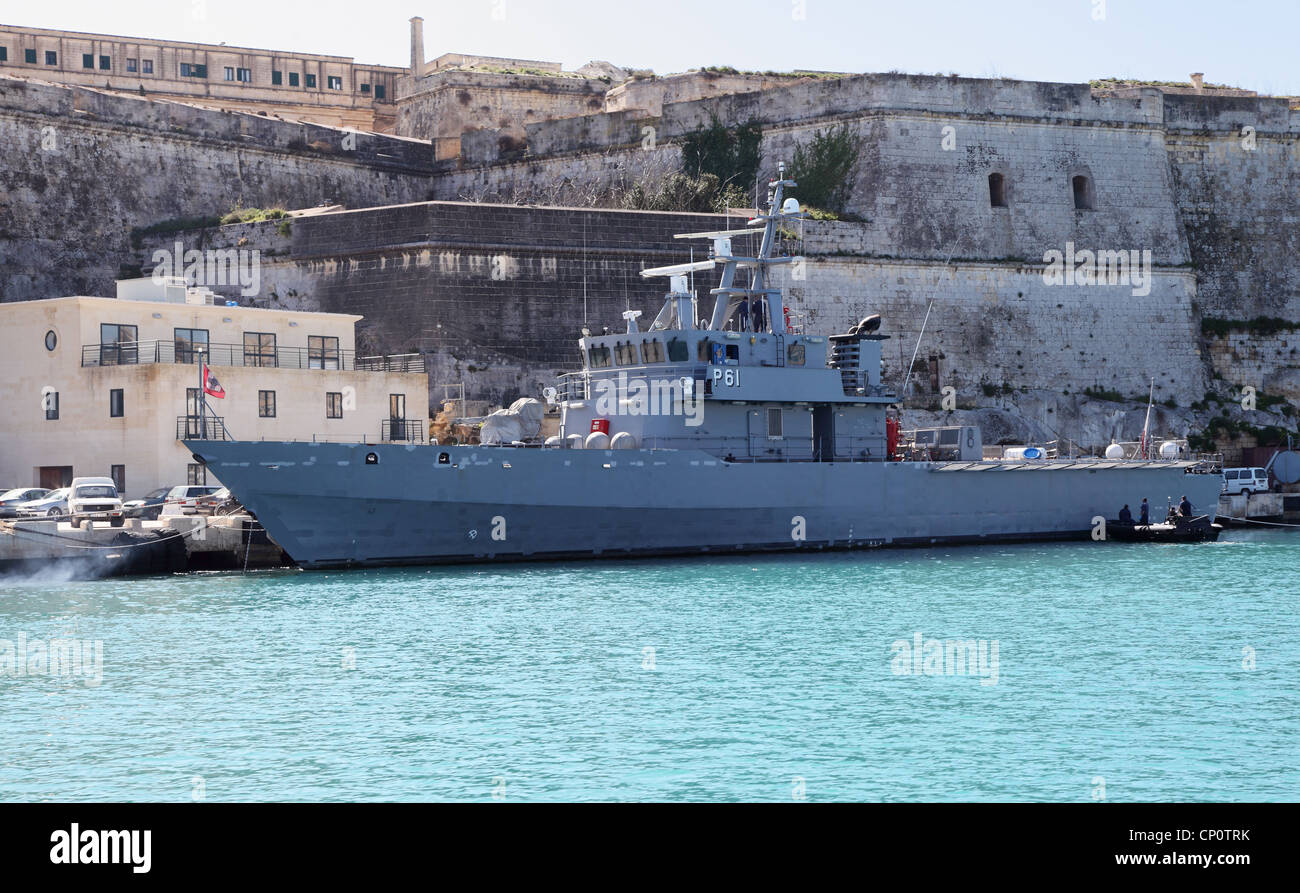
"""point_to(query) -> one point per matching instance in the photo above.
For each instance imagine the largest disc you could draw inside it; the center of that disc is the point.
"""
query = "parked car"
(185, 500)
(1245, 480)
(11, 499)
(223, 503)
(53, 504)
(150, 506)
(94, 499)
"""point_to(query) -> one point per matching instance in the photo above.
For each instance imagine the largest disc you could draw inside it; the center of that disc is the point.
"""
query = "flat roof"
(137, 303)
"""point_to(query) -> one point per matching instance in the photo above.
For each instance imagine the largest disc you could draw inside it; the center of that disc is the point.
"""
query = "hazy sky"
(1247, 43)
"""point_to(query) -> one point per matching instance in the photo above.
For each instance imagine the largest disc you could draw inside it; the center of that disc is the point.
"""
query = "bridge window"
(598, 357)
(678, 351)
(624, 353)
(652, 351)
(997, 191)
(1084, 198)
(795, 353)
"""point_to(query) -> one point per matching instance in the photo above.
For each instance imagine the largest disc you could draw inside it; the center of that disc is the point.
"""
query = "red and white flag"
(210, 384)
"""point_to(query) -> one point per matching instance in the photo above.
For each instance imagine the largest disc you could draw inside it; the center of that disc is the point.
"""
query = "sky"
(1247, 43)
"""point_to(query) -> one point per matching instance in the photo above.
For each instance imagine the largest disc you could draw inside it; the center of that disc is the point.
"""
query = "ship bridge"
(742, 383)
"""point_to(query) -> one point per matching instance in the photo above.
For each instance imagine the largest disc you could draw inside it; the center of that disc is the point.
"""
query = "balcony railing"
(210, 427)
(131, 353)
(402, 430)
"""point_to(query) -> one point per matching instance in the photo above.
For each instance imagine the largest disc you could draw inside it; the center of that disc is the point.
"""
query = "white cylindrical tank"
(575, 441)
(597, 440)
(555, 441)
(623, 440)
(1169, 450)
(1114, 451)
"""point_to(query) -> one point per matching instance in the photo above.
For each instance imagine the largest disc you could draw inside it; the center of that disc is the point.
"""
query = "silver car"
(52, 505)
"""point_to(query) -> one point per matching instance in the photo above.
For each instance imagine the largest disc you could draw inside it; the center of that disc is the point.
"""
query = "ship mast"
(728, 294)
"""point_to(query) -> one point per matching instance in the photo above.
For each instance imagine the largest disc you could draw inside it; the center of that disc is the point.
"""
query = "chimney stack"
(417, 47)
(1197, 81)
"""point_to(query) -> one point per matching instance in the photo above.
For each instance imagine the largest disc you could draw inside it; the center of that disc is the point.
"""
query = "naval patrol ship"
(738, 432)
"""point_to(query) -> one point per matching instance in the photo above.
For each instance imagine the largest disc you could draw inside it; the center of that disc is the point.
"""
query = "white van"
(94, 499)
(1245, 480)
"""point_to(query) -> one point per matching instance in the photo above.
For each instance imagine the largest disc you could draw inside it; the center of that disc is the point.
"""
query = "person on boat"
(1185, 508)
(760, 324)
(742, 315)
(1125, 515)
(1144, 512)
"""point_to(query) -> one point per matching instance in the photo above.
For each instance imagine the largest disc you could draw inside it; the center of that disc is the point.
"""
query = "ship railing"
(161, 351)
(582, 385)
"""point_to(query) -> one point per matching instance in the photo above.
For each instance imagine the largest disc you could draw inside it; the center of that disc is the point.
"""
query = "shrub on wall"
(823, 168)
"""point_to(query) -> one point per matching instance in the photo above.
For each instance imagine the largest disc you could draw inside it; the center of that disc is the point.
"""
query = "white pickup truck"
(94, 499)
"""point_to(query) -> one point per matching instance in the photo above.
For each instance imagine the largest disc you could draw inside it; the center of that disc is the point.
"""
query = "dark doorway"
(55, 476)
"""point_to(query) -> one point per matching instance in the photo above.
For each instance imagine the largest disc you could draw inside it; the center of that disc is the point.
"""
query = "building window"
(997, 191)
(230, 73)
(774, 428)
(277, 78)
(29, 56)
(51, 401)
(266, 404)
(311, 80)
(244, 75)
(147, 67)
(118, 474)
(189, 343)
(196, 473)
(334, 83)
(131, 65)
(51, 57)
(87, 60)
(51, 340)
(1083, 194)
(259, 349)
(322, 352)
(379, 91)
(105, 63)
(190, 70)
(365, 88)
(293, 79)
(334, 405)
(116, 404)
(4, 54)
(118, 345)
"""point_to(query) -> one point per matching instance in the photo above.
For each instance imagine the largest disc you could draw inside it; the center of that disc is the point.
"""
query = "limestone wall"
(82, 167)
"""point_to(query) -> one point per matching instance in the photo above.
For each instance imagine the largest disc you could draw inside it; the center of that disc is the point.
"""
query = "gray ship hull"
(326, 507)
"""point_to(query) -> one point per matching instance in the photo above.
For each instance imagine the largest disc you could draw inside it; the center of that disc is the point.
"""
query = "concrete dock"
(173, 544)
(1259, 509)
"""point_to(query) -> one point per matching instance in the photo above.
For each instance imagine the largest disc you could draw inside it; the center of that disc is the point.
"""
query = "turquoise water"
(1122, 670)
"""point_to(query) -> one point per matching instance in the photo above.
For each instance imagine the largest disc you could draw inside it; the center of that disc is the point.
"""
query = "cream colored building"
(330, 90)
(106, 386)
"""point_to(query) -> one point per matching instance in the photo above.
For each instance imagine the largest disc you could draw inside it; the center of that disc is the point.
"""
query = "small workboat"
(1174, 529)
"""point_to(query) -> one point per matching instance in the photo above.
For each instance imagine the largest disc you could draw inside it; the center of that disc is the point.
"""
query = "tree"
(823, 168)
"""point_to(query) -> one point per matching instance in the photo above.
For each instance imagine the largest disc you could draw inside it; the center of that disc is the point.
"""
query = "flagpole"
(203, 385)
